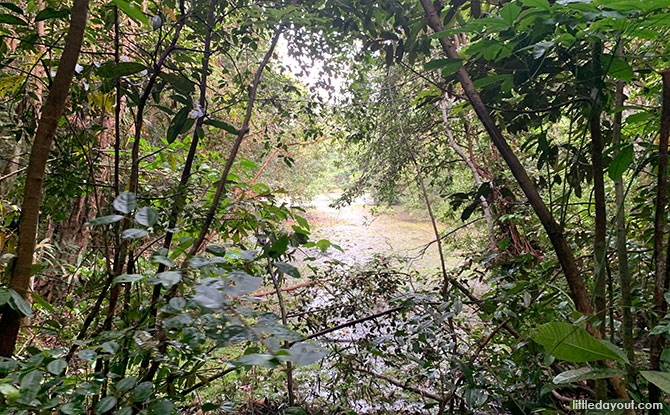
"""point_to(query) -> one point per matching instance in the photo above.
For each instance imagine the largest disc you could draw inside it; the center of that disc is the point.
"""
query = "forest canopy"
(334, 206)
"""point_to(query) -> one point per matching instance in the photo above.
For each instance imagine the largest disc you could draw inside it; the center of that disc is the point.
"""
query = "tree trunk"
(475, 175)
(622, 251)
(578, 291)
(10, 320)
(600, 223)
(656, 346)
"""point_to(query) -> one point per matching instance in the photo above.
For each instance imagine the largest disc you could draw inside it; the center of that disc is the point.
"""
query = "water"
(363, 232)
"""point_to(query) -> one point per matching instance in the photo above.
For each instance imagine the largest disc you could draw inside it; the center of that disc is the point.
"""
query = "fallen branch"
(292, 288)
(398, 383)
(353, 322)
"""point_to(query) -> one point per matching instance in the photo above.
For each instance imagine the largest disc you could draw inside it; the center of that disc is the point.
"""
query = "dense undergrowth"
(157, 164)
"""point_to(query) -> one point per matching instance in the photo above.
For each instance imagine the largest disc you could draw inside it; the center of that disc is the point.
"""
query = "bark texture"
(52, 110)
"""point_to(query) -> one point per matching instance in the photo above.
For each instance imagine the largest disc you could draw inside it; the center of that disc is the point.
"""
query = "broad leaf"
(134, 233)
(116, 70)
(620, 162)
(127, 278)
(106, 404)
(56, 367)
(50, 13)
(306, 353)
(132, 10)
(288, 269)
(660, 379)
(19, 304)
(146, 216)
(6, 18)
(586, 373)
(125, 202)
(571, 343)
(448, 66)
(105, 220)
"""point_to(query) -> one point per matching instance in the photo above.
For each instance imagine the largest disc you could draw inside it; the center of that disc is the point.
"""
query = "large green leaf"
(448, 66)
(51, 13)
(146, 216)
(660, 379)
(586, 373)
(132, 10)
(179, 124)
(571, 343)
(116, 70)
(6, 18)
(19, 304)
(288, 269)
(620, 162)
(105, 404)
(125, 202)
(617, 68)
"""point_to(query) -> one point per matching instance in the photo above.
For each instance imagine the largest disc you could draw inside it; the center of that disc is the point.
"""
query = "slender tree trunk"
(475, 175)
(10, 320)
(578, 291)
(656, 346)
(622, 251)
(600, 231)
(276, 281)
(242, 132)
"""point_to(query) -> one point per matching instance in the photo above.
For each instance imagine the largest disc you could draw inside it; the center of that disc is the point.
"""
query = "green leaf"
(106, 404)
(10, 392)
(125, 202)
(448, 66)
(288, 269)
(475, 397)
(51, 13)
(168, 278)
(110, 347)
(32, 380)
(660, 379)
(134, 233)
(256, 359)
(509, 12)
(127, 278)
(620, 162)
(178, 82)
(571, 343)
(142, 391)
(240, 283)
(491, 79)
(278, 247)
(114, 70)
(541, 4)
(126, 384)
(6, 18)
(222, 125)
(56, 367)
(216, 250)
(19, 304)
(87, 355)
(617, 68)
(177, 124)
(13, 7)
(105, 220)
(305, 354)
(132, 11)
(146, 216)
(586, 373)
(162, 407)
